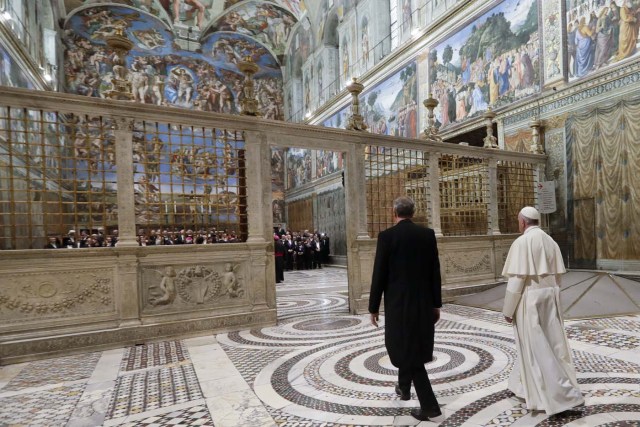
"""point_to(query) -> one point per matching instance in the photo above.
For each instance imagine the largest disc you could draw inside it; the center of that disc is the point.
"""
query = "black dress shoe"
(425, 414)
(403, 395)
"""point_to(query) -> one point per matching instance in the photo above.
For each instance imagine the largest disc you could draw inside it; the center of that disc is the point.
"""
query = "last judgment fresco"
(160, 72)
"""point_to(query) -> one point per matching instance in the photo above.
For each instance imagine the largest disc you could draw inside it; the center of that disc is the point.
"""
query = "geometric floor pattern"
(320, 366)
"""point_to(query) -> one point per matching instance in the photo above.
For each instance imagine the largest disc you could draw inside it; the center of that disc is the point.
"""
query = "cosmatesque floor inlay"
(321, 366)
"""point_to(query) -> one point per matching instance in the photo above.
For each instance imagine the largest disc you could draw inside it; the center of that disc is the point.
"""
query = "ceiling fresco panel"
(154, 7)
(266, 22)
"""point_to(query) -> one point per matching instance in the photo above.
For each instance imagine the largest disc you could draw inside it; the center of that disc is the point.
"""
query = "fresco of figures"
(328, 162)
(298, 167)
(268, 23)
(296, 7)
(158, 8)
(600, 33)
(10, 73)
(338, 120)
(492, 61)
(277, 169)
(391, 108)
(190, 13)
(162, 74)
(300, 48)
(277, 184)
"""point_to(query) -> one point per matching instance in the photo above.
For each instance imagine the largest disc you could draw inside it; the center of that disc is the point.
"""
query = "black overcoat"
(407, 272)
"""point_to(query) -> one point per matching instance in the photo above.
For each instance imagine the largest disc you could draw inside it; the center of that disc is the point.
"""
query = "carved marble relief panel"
(469, 263)
(26, 297)
(191, 287)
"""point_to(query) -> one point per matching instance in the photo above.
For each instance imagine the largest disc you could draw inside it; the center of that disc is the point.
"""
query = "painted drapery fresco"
(490, 62)
(267, 23)
(600, 33)
(391, 108)
(161, 73)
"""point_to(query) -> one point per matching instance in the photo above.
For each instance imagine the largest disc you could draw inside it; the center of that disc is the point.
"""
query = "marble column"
(493, 217)
(434, 193)
(260, 219)
(258, 157)
(355, 195)
(126, 202)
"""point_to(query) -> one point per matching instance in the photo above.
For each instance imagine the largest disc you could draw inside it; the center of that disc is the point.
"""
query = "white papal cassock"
(543, 375)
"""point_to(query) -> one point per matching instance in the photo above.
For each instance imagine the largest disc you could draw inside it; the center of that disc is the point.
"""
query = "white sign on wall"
(546, 197)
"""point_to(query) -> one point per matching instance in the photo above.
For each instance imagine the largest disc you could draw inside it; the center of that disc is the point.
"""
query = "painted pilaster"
(125, 197)
(552, 41)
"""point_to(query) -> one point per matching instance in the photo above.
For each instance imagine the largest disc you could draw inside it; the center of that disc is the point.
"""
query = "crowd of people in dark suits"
(169, 236)
(299, 251)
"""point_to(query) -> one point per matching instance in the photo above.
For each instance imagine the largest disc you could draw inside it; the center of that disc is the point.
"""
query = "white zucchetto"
(530, 212)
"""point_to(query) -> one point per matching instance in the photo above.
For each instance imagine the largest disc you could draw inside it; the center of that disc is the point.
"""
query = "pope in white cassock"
(543, 375)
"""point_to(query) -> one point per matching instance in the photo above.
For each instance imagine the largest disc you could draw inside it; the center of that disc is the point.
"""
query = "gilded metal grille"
(391, 173)
(57, 174)
(464, 195)
(189, 178)
(516, 189)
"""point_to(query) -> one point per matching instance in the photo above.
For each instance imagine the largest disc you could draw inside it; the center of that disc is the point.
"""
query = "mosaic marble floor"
(319, 367)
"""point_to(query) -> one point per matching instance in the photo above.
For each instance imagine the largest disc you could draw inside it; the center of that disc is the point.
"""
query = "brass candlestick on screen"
(490, 141)
(249, 103)
(431, 132)
(356, 121)
(120, 84)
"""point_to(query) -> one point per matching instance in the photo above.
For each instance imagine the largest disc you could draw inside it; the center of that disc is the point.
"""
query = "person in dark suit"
(407, 272)
(324, 248)
(279, 254)
(54, 243)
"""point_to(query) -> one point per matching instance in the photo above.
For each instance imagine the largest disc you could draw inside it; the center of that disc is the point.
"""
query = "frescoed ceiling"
(269, 23)
(160, 71)
(264, 21)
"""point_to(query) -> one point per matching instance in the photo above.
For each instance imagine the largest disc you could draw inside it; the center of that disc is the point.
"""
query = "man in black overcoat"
(407, 272)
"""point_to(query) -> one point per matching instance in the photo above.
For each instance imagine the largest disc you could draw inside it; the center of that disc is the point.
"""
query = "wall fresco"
(328, 162)
(298, 167)
(390, 108)
(338, 120)
(299, 49)
(600, 33)
(163, 74)
(492, 61)
(277, 184)
(10, 73)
